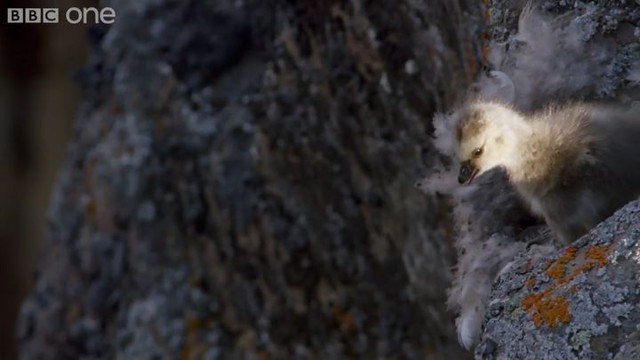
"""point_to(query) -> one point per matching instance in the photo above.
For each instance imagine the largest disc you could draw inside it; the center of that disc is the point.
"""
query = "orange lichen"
(530, 282)
(552, 312)
(570, 252)
(558, 267)
(546, 307)
(598, 254)
(531, 301)
(594, 257)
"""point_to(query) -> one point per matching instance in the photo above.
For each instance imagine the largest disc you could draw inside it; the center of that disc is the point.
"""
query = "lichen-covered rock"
(582, 303)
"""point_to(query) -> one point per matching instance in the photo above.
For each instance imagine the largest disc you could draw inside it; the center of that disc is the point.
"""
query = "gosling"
(574, 165)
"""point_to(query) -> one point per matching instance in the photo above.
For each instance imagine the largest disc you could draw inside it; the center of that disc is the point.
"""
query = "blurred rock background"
(38, 104)
(240, 184)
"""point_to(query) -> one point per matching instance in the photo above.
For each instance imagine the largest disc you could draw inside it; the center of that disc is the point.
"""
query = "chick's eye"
(477, 152)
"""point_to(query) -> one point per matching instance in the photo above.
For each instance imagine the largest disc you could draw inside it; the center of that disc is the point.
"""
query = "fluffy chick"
(574, 165)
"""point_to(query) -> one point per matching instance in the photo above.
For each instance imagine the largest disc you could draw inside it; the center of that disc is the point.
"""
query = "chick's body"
(574, 165)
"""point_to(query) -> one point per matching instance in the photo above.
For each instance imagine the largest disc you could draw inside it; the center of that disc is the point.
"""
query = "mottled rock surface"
(240, 184)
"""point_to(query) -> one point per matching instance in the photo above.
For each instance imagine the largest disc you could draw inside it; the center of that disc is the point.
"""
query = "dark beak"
(467, 173)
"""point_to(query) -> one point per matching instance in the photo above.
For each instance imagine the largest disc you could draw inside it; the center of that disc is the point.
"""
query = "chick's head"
(487, 135)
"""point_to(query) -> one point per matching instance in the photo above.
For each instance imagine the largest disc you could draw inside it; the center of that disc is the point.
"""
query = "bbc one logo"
(74, 15)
